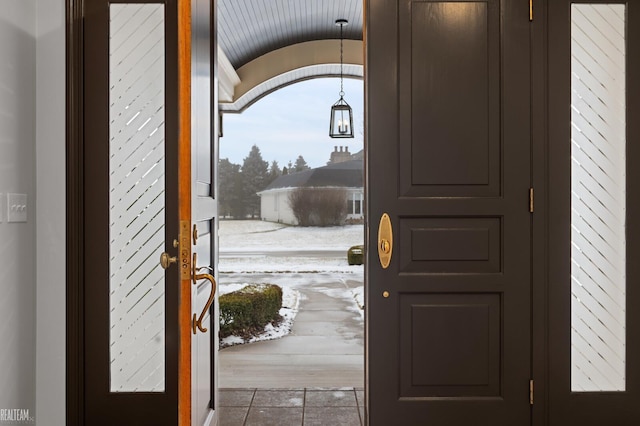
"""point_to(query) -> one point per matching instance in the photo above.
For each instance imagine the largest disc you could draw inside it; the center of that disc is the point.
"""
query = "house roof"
(348, 174)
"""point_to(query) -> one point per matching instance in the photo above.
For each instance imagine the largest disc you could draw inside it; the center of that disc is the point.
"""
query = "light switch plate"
(16, 207)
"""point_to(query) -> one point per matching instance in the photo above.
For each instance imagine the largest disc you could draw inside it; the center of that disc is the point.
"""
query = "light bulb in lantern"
(343, 126)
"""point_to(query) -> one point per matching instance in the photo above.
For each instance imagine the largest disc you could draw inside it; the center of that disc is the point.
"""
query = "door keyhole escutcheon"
(385, 241)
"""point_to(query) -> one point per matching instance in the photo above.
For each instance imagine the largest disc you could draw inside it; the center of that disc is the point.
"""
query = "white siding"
(274, 205)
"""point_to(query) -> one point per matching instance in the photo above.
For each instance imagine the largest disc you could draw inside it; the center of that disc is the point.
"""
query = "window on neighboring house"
(357, 207)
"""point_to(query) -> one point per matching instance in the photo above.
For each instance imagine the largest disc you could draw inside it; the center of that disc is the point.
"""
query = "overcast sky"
(293, 121)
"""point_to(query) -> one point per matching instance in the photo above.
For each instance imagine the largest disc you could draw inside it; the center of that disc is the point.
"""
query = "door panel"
(467, 365)
(440, 44)
(449, 320)
(593, 232)
(129, 199)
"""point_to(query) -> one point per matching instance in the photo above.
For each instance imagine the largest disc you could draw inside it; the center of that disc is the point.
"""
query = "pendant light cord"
(341, 86)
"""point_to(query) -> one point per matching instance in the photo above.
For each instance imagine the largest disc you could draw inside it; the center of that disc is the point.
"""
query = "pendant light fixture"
(341, 125)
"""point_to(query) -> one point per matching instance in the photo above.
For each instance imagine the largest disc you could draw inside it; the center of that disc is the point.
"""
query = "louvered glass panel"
(137, 197)
(598, 197)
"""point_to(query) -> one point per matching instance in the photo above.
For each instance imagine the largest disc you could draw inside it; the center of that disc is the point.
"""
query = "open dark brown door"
(148, 144)
(448, 128)
(594, 213)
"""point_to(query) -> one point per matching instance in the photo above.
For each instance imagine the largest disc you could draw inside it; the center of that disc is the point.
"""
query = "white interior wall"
(17, 175)
(50, 218)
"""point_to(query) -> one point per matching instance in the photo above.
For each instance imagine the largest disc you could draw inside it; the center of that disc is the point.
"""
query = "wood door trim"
(74, 215)
(184, 208)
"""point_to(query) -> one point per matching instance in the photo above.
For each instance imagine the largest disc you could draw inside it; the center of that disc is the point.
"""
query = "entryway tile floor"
(292, 407)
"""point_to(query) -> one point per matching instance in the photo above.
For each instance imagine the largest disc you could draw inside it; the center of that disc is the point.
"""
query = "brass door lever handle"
(195, 277)
(197, 322)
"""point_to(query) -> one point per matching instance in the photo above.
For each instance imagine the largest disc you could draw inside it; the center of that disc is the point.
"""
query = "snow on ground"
(358, 296)
(290, 304)
(264, 252)
(251, 235)
(257, 264)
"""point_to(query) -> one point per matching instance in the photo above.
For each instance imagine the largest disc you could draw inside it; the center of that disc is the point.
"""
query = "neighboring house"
(274, 200)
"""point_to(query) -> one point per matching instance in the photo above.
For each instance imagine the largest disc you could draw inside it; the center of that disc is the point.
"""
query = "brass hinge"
(530, 200)
(530, 10)
(531, 392)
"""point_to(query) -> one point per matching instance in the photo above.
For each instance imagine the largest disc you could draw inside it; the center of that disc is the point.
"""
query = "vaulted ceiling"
(266, 44)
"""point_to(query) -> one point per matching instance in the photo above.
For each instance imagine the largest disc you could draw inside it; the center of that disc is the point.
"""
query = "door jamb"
(74, 387)
(539, 218)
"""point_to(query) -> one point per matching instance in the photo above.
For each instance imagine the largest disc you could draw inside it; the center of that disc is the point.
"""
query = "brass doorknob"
(166, 260)
(385, 246)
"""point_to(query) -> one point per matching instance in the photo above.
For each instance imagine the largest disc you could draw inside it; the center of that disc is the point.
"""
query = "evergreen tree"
(255, 177)
(285, 171)
(301, 164)
(230, 199)
(274, 171)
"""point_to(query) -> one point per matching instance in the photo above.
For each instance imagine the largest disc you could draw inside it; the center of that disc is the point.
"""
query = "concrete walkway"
(325, 349)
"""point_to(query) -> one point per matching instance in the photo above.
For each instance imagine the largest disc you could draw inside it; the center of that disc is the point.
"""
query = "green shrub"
(355, 255)
(249, 309)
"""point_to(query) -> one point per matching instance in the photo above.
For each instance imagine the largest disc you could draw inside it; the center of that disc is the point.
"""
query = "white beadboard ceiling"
(247, 29)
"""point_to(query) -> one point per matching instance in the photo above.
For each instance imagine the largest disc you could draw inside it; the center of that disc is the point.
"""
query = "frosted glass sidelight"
(598, 198)
(137, 197)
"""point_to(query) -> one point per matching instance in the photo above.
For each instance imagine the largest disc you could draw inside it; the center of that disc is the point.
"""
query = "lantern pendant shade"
(341, 125)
